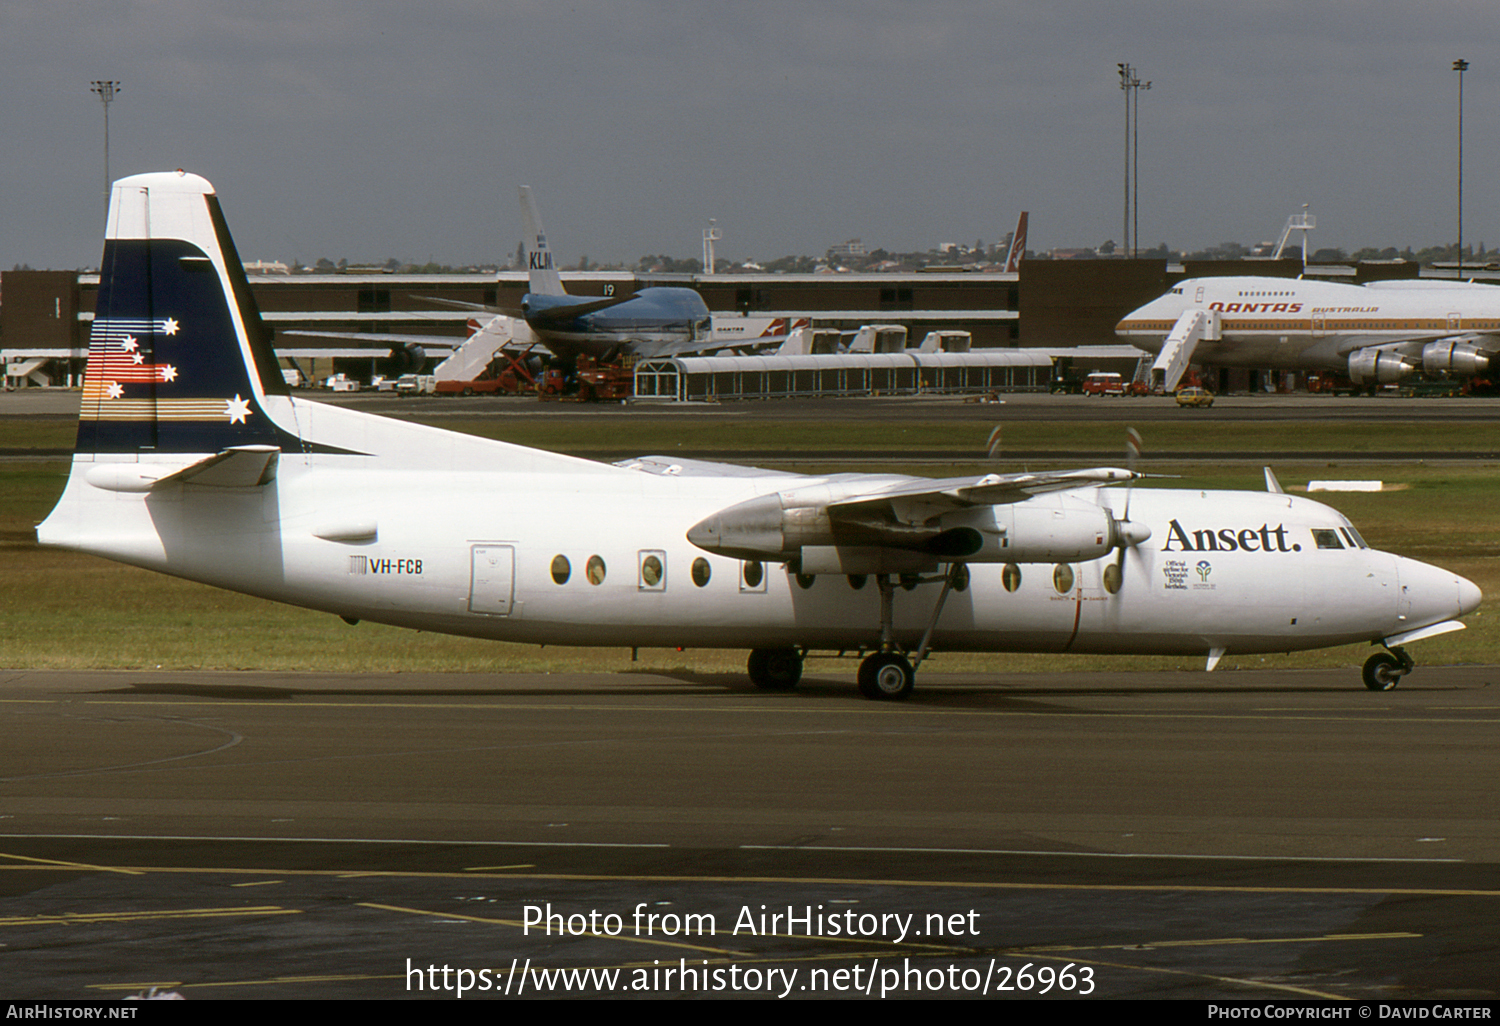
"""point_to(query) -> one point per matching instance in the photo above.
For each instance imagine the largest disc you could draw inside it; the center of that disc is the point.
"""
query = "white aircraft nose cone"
(1469, 596)
(1435, 593)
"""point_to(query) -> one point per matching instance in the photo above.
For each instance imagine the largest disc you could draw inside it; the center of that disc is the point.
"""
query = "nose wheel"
(1384, 670)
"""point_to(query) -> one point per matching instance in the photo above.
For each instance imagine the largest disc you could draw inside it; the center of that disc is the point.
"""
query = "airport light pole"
(1131, 84)
(105, 90)
(1135, 168)
(1126, 72)
(1460, 66)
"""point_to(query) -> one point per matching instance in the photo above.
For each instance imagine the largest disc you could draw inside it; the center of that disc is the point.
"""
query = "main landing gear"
(884, 675)
(1384, 670)
(775, 669)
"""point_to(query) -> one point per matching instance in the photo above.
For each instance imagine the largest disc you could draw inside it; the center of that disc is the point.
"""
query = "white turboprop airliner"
(1376, 333)
(194, 460)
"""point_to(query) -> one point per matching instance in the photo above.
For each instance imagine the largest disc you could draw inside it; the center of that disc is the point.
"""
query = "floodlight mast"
(1132, 85)
(1460, 66)
(105, 89)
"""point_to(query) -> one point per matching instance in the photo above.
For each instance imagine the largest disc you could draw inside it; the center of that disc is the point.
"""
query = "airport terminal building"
(45, 316)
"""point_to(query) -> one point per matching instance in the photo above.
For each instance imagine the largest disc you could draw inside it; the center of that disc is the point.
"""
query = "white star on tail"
(114, 390)
(236, 409)
(169, 326)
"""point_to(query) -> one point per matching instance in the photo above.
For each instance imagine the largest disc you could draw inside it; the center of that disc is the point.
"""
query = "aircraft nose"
(1437, 594)
(1469, 596)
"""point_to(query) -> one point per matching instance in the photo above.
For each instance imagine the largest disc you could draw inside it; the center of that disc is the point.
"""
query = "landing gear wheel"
(1382, 671)
(775, 669)
(886, 676)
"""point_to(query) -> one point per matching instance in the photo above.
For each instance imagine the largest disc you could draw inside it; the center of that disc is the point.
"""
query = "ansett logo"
(1227, 539)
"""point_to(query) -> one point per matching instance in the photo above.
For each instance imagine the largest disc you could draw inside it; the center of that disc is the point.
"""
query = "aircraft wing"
(989, 490)
(425, 341)
(1412, 344)
(561, 316)
(672, 466)
(701, 346)
(459, 304)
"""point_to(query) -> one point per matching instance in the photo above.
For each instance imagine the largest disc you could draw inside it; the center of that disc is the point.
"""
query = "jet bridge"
(1177, 351)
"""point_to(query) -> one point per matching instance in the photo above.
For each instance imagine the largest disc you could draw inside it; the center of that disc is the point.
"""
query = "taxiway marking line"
(61, 864)
(75, 918)
(986, 885)
(1217, 941)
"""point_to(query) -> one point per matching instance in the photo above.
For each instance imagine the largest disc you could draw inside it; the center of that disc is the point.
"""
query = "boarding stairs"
(1177, 351)
(22, 369)
(469, 360)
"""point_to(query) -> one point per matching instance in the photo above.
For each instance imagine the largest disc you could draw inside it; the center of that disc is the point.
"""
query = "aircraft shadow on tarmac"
(969, 694)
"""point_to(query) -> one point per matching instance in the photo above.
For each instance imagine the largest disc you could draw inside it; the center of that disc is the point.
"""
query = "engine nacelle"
(1050, 528)
(1055, 528)
(1378, 366)
(1458, 358)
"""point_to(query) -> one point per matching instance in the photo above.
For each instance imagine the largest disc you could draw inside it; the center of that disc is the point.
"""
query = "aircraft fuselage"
(1303, 324)
(528, 557)
(649, 320)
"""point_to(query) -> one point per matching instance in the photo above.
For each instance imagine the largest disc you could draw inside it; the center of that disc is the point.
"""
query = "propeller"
(1125, 535)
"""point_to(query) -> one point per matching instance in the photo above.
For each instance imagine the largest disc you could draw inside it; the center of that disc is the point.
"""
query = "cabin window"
(753, 576)
(1062, 578)
(653, 571)
(701, 572)
(561, 569)
(805, 581)
(1011, 577)
(857, 581)
(1112, 578)
(1327, 539)
(594, 570)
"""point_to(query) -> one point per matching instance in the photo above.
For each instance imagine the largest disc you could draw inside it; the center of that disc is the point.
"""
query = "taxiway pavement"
(1241, 834)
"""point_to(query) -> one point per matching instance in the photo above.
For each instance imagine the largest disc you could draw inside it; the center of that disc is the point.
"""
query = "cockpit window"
(1327, 539)
(1353, 536)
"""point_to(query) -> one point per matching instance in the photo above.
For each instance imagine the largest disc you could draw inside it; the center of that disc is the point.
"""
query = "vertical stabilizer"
(1017, 249)
(179, 361)
(544, 278)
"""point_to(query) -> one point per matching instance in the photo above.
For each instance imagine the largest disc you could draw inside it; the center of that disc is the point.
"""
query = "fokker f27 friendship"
(1376, 334)
(194, 460)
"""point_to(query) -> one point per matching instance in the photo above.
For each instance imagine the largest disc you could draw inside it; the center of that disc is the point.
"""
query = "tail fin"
(1017, 246)
(545, 280)
(179, 360)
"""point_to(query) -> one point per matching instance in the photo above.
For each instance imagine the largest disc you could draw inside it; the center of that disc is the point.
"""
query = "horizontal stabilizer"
(241, 467)
(245, 466)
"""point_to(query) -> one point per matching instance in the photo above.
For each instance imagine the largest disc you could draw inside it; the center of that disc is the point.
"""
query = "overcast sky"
(376, 129)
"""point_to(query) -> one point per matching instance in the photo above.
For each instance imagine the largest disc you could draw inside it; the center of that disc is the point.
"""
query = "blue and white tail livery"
(194, 460)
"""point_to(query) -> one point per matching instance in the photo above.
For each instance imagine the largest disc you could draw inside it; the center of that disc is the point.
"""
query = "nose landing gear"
(1384, 670)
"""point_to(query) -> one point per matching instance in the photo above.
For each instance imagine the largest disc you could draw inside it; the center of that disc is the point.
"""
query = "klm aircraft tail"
(544, 279)
(179, 361)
